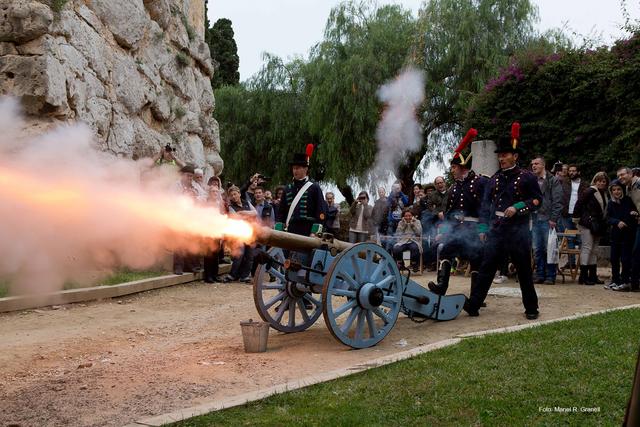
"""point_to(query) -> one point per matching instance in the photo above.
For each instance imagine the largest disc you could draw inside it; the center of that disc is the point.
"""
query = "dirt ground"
(113, 362)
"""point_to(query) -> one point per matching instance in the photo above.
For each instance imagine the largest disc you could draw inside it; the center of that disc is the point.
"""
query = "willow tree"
(460, 45)
(262, 121)
(363, 47)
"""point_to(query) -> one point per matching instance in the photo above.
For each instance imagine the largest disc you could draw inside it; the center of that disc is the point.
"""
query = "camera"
(168, 148)
(264, 178)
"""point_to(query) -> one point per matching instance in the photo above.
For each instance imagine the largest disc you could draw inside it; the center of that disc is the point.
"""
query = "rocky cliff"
(136, 71)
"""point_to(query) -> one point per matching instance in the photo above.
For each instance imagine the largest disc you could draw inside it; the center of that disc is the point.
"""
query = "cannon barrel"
(296, 242)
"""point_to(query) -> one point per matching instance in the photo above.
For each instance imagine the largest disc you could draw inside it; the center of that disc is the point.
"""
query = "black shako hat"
(510, 144)
(302, 159)
(299, 159)
(458, 158)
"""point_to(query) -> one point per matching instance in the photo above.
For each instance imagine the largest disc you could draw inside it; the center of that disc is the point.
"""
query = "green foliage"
(497, 380)
(262, 119)
(330, 99)
(58, 5)
(4, 288)
(461, 45)
(580, 106)
(224, 52)
(364, 46)
(191, 33)
(183, 59)
(179, 111)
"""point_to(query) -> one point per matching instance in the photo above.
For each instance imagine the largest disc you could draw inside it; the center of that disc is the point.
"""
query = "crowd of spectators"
(408, 221)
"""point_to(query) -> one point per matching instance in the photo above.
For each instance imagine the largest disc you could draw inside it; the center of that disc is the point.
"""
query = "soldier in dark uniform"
(460, 234)
(511, 196)
(310, 208)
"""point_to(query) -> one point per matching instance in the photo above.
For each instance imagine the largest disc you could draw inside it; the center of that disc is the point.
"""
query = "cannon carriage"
(358, 288)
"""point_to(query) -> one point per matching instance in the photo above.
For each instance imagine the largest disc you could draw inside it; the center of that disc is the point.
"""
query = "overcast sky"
(291, 27)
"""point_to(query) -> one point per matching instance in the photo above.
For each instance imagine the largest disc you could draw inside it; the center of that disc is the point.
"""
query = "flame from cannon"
(68, 209)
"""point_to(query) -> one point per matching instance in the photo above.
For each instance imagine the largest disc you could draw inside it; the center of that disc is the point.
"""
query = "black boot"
(443, 278)
(471, 311)
(593, 275)
(474, 284)
(584, 275)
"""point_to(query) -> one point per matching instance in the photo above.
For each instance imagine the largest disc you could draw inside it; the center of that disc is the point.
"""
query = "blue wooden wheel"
(362, 295)
(280, 302)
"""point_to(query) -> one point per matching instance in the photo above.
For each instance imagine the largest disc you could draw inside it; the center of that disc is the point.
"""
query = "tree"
(363, 47)
(262, 121)
(461, 44)
(224, 52)
(580, 106)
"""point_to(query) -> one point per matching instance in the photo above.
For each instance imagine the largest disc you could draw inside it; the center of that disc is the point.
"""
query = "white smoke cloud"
(67, 208)
(399, 132)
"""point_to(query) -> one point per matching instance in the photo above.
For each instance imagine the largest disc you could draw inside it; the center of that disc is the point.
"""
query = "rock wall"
(136, 71)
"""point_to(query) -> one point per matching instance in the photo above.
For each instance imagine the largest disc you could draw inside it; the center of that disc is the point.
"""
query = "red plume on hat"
(457, 154)
(515, 134)
(309, 151)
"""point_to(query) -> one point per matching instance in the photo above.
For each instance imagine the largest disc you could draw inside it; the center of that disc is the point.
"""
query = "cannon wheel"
(279, 302)
(362, 295)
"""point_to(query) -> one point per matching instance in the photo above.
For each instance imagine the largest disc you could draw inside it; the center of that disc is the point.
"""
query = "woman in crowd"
(622, 217)
(360, 223)
(409, 238)
(590, 212)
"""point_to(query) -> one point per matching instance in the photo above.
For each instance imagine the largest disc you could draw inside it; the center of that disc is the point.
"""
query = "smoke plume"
(399, 132)
(67, 208)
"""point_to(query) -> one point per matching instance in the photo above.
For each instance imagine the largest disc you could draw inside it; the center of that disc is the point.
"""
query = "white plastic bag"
(552, 247)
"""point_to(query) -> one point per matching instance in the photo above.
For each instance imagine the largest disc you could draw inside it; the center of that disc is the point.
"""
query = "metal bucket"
(254, 336)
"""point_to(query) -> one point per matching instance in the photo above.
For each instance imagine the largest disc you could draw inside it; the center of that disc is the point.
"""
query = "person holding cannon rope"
(511, 196)
(460, 232)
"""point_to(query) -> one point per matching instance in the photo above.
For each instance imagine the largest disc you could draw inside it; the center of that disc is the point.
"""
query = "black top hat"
(510, 144)
(299, 159)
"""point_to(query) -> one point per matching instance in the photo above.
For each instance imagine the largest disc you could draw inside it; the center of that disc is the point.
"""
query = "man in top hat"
(302, 203)
(462, 233)
(511, 196)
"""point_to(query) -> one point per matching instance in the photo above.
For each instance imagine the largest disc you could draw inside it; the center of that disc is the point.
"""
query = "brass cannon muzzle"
(295, 242)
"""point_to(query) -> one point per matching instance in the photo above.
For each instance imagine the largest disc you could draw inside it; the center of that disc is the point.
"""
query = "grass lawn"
(118, 276)
(126, 275)
(498, 380)
(4, 288)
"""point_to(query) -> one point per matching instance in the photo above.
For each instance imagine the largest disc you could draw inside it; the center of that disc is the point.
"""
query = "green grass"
(4, 288)
(183, 59)
(179, 111)
(191, 33)
(126, 275)
(57, 5)
(498, 380)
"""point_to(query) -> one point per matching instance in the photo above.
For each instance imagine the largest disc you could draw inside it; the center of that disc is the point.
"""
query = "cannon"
(358, 288)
